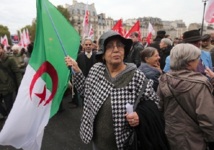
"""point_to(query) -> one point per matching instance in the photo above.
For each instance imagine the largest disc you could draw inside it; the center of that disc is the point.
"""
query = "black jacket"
(85, 63)
(151, 131)
(134, 54)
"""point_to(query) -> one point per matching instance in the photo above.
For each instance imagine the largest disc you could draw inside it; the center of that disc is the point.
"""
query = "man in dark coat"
(156, 41)
(10, 79)
(85, 61)
(137, 47)
(87, 58)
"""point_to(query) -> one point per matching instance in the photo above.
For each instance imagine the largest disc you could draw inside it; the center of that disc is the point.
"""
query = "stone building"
(174, 29)
(101, 23)
(77, 13)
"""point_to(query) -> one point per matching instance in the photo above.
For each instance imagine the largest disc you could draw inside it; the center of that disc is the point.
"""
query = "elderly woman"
(109, 86)
(164, 51)
(150, 65)
(187, 101)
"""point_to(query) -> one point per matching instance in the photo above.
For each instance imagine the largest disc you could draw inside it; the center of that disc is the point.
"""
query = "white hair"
(182, 54)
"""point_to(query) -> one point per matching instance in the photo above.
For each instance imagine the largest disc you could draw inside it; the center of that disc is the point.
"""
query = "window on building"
(78, 11)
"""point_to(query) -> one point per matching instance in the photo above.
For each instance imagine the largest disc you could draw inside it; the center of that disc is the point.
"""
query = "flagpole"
(60, 40)
(202, 25)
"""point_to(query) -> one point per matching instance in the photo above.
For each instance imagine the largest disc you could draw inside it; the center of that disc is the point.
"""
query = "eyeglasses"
(111, 46)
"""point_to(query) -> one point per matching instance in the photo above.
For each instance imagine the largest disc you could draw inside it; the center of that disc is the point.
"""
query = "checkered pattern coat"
(96, 89)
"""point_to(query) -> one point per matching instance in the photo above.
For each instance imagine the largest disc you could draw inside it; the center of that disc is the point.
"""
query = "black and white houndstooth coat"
(96, 89)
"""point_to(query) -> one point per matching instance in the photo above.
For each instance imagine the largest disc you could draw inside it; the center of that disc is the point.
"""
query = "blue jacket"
(150, 73)
(205, 57)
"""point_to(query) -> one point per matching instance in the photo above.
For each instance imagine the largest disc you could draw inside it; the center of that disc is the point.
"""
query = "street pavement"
(62, 131)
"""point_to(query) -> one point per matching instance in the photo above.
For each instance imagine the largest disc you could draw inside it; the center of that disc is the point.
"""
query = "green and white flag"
(44, 82)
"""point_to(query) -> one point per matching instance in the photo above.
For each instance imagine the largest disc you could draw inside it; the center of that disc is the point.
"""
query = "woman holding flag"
(110, 85)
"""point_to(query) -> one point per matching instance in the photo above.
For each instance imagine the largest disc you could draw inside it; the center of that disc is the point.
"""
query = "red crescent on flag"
(48, 68)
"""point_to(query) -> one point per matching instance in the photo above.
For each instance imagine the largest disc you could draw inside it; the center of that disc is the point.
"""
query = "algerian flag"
(44, 82)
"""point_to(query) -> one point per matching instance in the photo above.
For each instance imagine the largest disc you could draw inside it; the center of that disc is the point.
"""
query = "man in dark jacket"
(10, 79)
(157, 40)
(85, 61)
(134, 53)
(87, 58)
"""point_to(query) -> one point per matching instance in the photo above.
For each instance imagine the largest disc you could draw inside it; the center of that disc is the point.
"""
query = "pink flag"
(209, 16)
(86, 22)
(21, 42)
(27, 36)
(91, 32)
(24, 38)
(118, 27)
(149, 35)
(5, 41)
(135, 28)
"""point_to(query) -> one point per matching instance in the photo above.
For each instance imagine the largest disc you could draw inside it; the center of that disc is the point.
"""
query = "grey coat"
(194, 92)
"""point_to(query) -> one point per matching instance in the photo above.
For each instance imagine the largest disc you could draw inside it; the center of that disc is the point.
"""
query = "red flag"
(86, 22)
(149, 35)
(209, 16)
(135, 28)
(118, 27)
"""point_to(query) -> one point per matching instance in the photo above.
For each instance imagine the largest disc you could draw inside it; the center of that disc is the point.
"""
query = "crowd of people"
(111, 73)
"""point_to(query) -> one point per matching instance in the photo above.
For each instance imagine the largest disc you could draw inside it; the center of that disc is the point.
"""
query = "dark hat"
(191, 36)
(107, 36)
(206, 37)
(161, 32)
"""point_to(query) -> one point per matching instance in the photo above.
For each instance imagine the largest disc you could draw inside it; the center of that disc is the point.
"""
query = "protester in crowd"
(109, 86)
(150, 65)
(134, 53)
(193, 37)
(10, 79)
(144, 42)
(210, 74)
(206, 43)
(186, 100)
(156, 42)
(28, 53)
(95, 47)
(212, 35)
(212, 42)
(164, 51)
(8, 50)
(176, 41)
(87, 59)
(18, 58)
(81, 49)
(207, 46)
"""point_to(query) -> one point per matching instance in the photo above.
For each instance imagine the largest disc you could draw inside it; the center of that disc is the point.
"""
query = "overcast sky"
(17, 13)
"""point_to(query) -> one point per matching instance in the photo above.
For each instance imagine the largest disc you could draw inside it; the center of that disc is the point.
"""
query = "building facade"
(101, 23)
